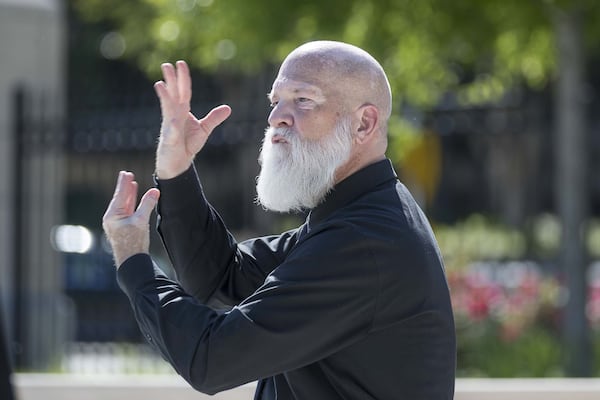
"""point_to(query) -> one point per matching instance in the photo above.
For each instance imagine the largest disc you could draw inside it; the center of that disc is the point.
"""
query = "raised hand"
(182, 135)
(127, 228)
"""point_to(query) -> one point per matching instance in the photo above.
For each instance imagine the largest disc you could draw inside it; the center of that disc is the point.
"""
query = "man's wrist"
(163, 174)
(170, 165)
(128, 241)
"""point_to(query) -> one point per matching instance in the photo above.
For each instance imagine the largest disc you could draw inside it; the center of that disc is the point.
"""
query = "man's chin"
(277, 156)
(275, 204)
(274, 201)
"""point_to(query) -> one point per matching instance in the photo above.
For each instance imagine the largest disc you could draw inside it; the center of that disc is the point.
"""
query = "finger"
(170, 78)
(184, 81)
(132, 191)
(215, 117)
(147, 204)
(160, 88)
(119, 200)
(164, 98)
(122, 190)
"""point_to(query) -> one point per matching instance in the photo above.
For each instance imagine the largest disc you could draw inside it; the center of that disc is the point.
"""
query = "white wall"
(32, 47)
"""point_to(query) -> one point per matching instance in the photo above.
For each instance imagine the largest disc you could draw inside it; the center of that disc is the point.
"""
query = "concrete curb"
(149, 387)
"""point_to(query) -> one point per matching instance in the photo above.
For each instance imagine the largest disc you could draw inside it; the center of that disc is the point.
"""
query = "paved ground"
(170, 386)
(115, 387)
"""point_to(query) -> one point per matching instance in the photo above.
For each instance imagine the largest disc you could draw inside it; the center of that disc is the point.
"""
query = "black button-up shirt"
(353, 304)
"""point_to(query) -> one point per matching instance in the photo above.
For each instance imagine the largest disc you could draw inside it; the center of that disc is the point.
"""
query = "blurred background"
(495, 130)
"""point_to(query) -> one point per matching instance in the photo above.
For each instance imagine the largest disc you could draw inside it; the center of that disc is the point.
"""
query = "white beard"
(299, 174)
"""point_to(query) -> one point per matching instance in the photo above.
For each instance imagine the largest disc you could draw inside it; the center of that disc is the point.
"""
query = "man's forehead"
(287, 85)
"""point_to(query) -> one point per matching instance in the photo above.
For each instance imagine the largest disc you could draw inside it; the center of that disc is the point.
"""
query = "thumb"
(215, 117)
(147, 204)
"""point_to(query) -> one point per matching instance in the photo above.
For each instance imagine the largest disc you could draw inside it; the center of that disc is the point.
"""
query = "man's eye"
(304, 102)
(273, 104)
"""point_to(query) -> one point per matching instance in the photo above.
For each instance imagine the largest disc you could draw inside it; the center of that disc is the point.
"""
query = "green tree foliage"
(426, 46)
(476, 50)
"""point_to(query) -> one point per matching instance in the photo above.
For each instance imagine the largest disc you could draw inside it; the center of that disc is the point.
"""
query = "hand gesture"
(182, 135)
(127, 228)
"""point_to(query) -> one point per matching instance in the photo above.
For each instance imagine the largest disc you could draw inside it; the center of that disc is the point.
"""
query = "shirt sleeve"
(319, 300)
(205, 256)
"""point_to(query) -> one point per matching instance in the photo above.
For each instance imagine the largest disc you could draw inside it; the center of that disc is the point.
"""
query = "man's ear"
(368, 115)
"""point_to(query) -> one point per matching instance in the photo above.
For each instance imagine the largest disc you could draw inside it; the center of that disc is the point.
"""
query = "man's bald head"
(347, 71)
(331, 102)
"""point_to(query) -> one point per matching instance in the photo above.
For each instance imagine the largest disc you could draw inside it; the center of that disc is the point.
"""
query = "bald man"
(353, 304)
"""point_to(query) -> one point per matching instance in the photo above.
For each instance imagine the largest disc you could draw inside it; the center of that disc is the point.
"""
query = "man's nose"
(280, 117)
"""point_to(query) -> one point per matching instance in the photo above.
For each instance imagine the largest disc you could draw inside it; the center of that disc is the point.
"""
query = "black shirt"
(352, 305)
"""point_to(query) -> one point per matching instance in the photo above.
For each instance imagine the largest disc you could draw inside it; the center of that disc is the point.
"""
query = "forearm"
(208, 261)
(198, 247)
(276, 329)
(175, 324)
(211, 351)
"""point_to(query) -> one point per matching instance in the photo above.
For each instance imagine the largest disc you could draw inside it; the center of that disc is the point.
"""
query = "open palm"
(182, 135)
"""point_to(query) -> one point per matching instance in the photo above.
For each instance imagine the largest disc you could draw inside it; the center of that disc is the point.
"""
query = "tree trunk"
(571, 188)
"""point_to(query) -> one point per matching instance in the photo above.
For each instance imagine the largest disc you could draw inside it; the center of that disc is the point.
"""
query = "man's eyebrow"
(309, 90)
(300, 90)
(303, 89)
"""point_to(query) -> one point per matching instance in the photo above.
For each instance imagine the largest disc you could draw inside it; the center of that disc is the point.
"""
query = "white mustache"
(286, 133)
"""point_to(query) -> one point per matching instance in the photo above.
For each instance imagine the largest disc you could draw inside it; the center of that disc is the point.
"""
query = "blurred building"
(32, 107)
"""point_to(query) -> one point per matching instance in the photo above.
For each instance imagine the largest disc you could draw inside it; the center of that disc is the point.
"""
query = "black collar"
(362, 181)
